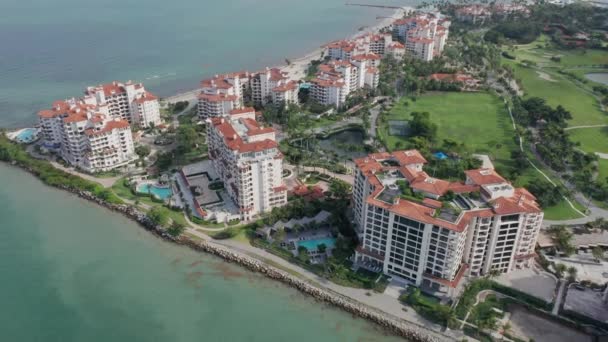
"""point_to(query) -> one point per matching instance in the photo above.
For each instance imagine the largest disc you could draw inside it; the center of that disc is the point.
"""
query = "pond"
(599, 77)
(346, 144)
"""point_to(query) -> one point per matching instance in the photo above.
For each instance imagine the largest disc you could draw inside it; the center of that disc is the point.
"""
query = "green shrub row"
(49, 175)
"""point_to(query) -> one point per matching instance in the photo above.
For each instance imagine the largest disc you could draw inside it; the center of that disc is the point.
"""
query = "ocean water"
(72, 271)
(53, 49)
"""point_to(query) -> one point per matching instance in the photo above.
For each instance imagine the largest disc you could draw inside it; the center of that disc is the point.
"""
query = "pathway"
(350, 179)
(106, 182)
(584, 126)
(382, 302)
(521, 148)
(559, 298)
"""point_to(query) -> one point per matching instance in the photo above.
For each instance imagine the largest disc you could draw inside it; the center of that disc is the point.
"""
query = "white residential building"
(87, 136)
(221, 94)
(247, 159)
(424, 34)
(271, 84)
(128, 101)
(337, 79)
(431, 241)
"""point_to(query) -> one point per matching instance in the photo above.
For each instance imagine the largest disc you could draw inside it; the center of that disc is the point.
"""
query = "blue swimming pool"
(160, 192)
(26, 135)
(312, 245)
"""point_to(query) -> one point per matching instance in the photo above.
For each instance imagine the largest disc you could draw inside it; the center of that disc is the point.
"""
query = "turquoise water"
(73, 272)
(312, 245)
(162, 193)
(26, 135)
(53, 49)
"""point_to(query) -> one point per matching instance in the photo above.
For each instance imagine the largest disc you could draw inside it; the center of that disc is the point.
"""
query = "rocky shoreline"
(396, 326)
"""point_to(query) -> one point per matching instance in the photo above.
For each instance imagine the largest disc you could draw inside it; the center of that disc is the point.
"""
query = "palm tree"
(560, 269)
(572, 273)
(598, 253)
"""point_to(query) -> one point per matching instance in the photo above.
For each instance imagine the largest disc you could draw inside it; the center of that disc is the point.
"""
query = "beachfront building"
(247, 159)
(337, 79)
(273, 86)
(475, 13)
(87, 136)
(127, 101)
(478, 13)
(223, 93)
(431, 232)
(424, 34)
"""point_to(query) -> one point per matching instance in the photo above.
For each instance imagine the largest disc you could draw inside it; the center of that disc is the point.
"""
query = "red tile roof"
(484, 177)
(110, 126)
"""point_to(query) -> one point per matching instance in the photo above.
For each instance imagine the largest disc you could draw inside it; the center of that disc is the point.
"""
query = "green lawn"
(569, 58)
(591, 139)
(124, 192)
(558, 90)
(603, 169)
(480, 120)
(561, 211)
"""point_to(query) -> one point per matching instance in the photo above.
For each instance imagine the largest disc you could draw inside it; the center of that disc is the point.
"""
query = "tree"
(572, 273)
(158, 216)
(339, 188)
(142, 151)
(322, 248)
(176, 229)
(560, 269)
(598, 253)
(186, 138)
(421, 126)
(303, 254)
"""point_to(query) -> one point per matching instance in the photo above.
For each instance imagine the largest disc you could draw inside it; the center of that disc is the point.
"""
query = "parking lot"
(587, 302)
(527, 326)
(531, 281)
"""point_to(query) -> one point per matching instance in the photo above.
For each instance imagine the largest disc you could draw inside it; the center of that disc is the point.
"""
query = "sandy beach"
(296, 70)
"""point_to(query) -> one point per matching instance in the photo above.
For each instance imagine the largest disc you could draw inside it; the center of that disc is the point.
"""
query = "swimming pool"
(26, 135)
(160, 192)
(312, 245)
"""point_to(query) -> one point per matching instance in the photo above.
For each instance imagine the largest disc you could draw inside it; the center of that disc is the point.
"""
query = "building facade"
(87, 136)
(424, 34)
(223, 93)
(247, 159)
(431, 232)
(127, 101)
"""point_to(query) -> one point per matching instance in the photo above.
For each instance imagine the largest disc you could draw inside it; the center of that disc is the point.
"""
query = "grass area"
(174, 215)
(485, 311)
(591, 139)
(123, 191)
(603, 169)
(561, 211)
(558, 90)
(479, 120)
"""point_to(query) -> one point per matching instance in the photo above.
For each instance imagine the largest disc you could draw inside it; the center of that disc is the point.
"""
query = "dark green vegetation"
(13, 153)
(469, 296)
(429, 307)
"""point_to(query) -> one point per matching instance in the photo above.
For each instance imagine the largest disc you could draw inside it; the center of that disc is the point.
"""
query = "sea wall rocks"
(399, 327)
